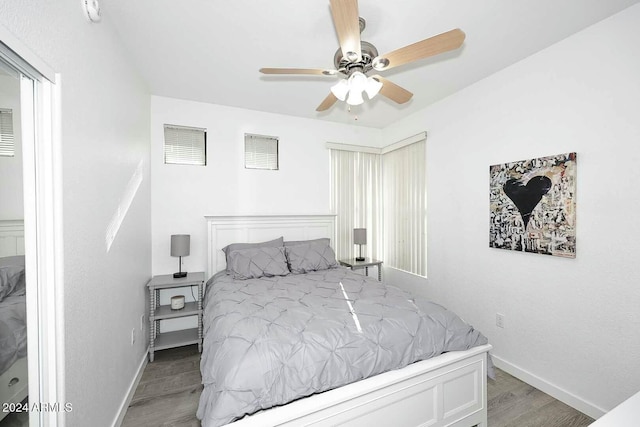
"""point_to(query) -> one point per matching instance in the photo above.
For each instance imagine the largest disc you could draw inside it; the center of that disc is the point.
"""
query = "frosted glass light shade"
(355, 97)
(373, 87)
(357, 81)
(340, 90)
(357, 84)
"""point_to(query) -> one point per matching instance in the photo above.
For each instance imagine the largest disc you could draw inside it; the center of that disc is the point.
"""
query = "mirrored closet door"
(14, 390)
(31, 246)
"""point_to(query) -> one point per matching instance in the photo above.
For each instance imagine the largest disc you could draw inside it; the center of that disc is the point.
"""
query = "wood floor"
(169, 389)
(513, 403)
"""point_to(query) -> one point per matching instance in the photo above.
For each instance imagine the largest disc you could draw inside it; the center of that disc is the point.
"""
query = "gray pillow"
(310, 257)
(12, 281)
(257, 262)
(12, 260)
(275, 243)
(324, 240)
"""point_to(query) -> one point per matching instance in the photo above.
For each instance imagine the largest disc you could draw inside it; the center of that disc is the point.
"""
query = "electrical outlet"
(500, 320)
(133, 336)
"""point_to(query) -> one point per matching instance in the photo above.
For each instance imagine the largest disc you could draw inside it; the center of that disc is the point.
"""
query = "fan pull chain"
(355, 117)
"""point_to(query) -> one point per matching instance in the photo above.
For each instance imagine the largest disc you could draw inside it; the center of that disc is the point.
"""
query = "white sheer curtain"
(356, 199)
(405, 204)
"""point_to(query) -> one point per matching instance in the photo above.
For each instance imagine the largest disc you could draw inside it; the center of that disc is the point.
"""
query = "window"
(6, 133)
(405, 208)
(260, 152)
(385, 191)
(185, 145)
(356, 199)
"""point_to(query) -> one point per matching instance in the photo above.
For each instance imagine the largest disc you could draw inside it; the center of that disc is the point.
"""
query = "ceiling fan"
(355, 58)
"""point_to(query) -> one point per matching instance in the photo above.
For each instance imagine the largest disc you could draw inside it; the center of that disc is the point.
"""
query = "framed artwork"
(533, 205)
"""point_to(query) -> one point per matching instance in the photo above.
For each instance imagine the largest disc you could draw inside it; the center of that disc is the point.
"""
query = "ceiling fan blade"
(393, 91)
(311, 71)
(327, 103)
(423, 49)
(347, 23)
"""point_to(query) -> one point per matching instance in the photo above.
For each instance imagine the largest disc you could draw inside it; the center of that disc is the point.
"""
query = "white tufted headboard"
(223, 230)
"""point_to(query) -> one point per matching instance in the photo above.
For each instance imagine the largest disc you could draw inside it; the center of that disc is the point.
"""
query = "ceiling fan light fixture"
(340, 90)
(373, 87)
(352, 88)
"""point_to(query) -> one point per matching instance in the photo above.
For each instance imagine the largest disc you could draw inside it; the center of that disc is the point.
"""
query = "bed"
(13, 331)
(326, 346)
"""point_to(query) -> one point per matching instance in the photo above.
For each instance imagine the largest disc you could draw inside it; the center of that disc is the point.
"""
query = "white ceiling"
(211, 50)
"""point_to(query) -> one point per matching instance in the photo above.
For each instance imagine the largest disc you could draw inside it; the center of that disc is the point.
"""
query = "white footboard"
(14, 384)
(449, 390)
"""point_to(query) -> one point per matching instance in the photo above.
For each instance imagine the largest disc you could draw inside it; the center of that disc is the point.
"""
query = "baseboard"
(552, 390)
(132, 390)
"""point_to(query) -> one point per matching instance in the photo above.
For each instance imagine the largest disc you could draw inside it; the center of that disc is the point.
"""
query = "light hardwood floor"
(169, 389)
(513, 403)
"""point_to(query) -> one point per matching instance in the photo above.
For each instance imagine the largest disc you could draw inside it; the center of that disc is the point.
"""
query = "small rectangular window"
(7, 147)
(260, 152)
(185, 145)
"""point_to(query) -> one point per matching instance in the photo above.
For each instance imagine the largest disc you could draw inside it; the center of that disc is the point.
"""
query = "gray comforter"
(269, 341)
(13, 330)
(13, 311)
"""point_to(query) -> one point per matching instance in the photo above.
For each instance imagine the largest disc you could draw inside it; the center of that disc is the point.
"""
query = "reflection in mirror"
(13, 327)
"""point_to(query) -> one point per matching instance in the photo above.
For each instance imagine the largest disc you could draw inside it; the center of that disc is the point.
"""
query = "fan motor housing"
(368, 53)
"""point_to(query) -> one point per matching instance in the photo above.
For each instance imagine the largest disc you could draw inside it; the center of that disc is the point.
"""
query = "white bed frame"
(14, 382)
(448, 390)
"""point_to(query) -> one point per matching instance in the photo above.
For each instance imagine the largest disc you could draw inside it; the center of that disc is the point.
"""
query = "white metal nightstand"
(368, 262)
(157, 312)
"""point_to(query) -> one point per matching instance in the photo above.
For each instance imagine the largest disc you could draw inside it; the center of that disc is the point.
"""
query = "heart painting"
(532, 205)
(527, 197)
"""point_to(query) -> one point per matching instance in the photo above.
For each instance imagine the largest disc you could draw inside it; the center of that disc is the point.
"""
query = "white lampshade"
(180, 244)
(340, 90)
(373, 87)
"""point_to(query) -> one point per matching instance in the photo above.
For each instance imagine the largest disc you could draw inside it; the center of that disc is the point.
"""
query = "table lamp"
(360, 238)
(180, 245)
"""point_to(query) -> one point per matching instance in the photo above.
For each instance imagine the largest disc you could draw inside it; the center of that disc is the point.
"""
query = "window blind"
(185, 145)
(356, 199)
(405, 204)
(7, 147)
(260, 152)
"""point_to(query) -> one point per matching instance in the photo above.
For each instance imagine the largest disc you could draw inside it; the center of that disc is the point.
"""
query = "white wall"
(571, 324)
(11, 205)
(183, 195)
(105, 139)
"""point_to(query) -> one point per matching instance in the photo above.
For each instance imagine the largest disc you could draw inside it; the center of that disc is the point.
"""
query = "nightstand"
(157, 312)
(368, 262)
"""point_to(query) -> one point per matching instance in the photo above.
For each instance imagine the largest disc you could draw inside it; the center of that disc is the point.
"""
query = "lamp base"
(180, 274)
(359, 258)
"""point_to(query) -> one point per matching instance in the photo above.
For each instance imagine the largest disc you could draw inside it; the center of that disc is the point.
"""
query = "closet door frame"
(42, 182)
